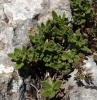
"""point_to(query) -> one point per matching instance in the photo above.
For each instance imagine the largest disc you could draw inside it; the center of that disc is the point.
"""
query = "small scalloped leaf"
(48, 93)
(46, 85)
(56, 84)
(18, 65)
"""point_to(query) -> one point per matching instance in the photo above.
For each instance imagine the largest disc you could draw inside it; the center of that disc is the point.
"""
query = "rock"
(21, 10)
(85, 91)
(21, 33)
(17, 90)
(16, 20)
(91, 67)
(60, 6)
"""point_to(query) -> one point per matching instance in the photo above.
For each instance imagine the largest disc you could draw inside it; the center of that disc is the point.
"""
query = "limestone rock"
(84, 91)
(16, 20)
(60, 6)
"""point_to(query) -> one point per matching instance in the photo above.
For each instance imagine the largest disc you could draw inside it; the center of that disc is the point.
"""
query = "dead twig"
(36, 90)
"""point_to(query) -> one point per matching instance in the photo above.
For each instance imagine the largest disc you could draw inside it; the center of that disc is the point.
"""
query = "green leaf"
(66, 69)
(84, 48)
(48, 22)
(70, 61)
(48, 93)
(64, 55)
(54, 14)
(47, 58)
(31, 38)
(12, 55)
(55, 30)
(55, 65)
(46, 85)
(56, 84)
(24, 50)
(17, 51)
(82, 21)
(18, 65)
(76, 58)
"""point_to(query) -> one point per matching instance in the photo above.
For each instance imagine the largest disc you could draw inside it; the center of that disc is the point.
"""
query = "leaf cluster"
(56, 46)
(20, 57)
(81, 10)
(51, 88)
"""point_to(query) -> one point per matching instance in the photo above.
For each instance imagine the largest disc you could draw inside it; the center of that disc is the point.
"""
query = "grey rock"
(87, 91)
(21, 33)
(91, 67)
(13, 33)
(60, 6)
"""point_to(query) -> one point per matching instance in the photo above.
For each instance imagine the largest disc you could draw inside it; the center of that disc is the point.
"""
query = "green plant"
(55, 46)
(20, 57)
(81, 10)
(51, 88)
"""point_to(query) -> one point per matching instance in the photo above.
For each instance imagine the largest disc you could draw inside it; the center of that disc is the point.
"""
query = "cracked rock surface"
(86, 91)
